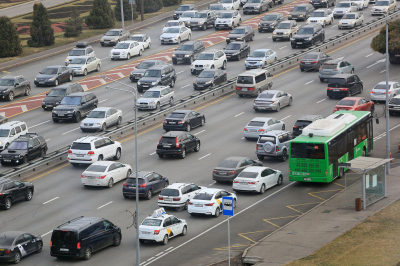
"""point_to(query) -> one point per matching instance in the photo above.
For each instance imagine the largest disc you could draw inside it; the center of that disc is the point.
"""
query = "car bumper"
(201, 86)
(11, 161)
(134, 77)
(168, 152)
(373, 13)
(301, 43)
(338, 94)
(309, 66)
(151, 237)
(201, 210)
(63, 117)
(326, 76)
(90, 128)
(232, 57)
(177, 127)
(195, 26)
(62, 255)
(44, 83)
(78, 71)
(94, 182)
(252, 135)
(266, 28)
(338, 15)
(222, 26)
(223, 178)
(171, 204)
(249, 66)
(4, 94)
(346, 26)
(181, 59)
(147, 107)
(247, 187)
(119, 56)
(296, 18)
(168, 41)
(251, 11)
(196, 71)
(381, 97)
(132, 191)
(82, 161)
(283, 37)
(248, 93)
(108, 42)
(265, 107)
(142, 88)
(268, 154)
(394, 110)
(318, 5)
(7, 258)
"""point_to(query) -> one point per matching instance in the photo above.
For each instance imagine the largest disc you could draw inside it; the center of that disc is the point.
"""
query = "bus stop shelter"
(366, 180)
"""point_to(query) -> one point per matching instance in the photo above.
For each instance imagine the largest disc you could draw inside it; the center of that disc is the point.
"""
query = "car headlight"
(201, 22)
(320, 20)
(292, 39)
(16, 156)
(259, 24)
(174, 55)
(97, 124)
(187, 55)
(35, 79)
(154, 83)
(102, 40)
(174, 14)
(240, 38)
(52, 79)
(300, 15)
(206, 65)
(192, 65)
(227, 38)
(323, 1)
(68, 112)
(307, 39)
(235, 53)
(58, 102)
(286, 33)
(260, 62)
(55, 111)
(290, 15)
(351, 22)
(66, 60)
(194, 82)
(139, 83)
(208, 82)
(112, 40)
(123, 53)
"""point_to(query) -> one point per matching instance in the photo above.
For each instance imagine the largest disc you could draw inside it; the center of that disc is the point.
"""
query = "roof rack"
(28, 135)
(82, 44)
(73, 220)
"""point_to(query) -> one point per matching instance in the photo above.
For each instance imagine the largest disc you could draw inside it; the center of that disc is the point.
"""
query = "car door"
(114, 115)
(191, 141)
(97, 238)
(158, 181)
(20, 86)
(65, 74)
(177, 226)
(30, 243)
(241, 166)
(113, 172)
(22, 245)
(286, 98)
(85, 106)
(196, 118)
(109, 118)
(272, 177)
(109, 148)
(277, 124)
(191, 119)
(108, 233)
(19, 189)
(357, 84)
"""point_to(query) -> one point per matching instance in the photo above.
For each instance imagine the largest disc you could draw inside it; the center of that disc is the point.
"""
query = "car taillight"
(314, 62)
(78, 246)
(343, 89)
(215, 171)
(253, 183)
(181, 122)
(245, 129)
(231, 172)
(261, 130)
(69, 151)
(190, 203)
(234, 181)
(329, 89)
(176, 199)
(156, 232)
(277, 148)
(83, 176)
(165, 121)
(335, 69)
(238, 88)
(143, 185)
(159, 140)
(160, 198)
(177, 142)
(101, 177)
(7, 251)
(51, 243)
(295, 126)
(320, 68)
(302, 61)
(209, 204)
(251, 89)
(90, 153)
(124, 184)
(372, 92)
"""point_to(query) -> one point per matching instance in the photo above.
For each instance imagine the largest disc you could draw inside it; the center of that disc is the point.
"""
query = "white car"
(343, 8)
(209, 201)
(186, 16)
(83, 49)
(82, 66)
(173, 23)
(126, 50)
(381, 7)
(257, 179)
(88, 150)
(207, 60)
(160, 227)
(361, 3)
(105, 174)
(100, 118)
(176, 35)
(142, 39)
(259, 125)
(378, 93)
(156, 97)
(228, 19)
(321, 16)
(351, 20)
(230, 4)
(178, 195)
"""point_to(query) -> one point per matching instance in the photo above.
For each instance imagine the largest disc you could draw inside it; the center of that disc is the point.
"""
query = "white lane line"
(103, 81)
(47, 139)
(242, 137)
(40, 124)
(212, 183)
(50, 200)
(239, 114)
(104, 205)
(383, 71)
(377, 62)
(384, 134)
(199, 132)
(185, 86)
(204, 156)
(282, 47)
(142, 263)
(209, 42)
(169, 248)
(24, 108)
(103, 100)
(70, 131)
(84, 87)
(46, 233)
(369, 55)
(334, 26)
(309, 82)
(152, 258)
(180, 72)
(286, 117)
(269, 37)
(152, 153)
(104, 58)
(162, 252)
(321, 100)
(120, 75)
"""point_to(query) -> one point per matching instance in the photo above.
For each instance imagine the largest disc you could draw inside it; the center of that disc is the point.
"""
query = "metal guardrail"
(127, 128)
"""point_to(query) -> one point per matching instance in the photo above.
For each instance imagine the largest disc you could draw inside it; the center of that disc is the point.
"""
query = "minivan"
(158, 75)
(344, 85)
(10, 131)
(55, 95)
(253, 82)
(82, 236)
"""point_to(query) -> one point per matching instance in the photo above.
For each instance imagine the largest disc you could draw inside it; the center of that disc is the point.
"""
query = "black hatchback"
(180, 120)
(237, 50)
(15, 244)
(344, 85)
(13, 190)
(209, 78)
(177, 143)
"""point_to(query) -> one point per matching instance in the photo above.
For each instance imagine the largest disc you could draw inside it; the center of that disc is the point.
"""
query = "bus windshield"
(307, 150)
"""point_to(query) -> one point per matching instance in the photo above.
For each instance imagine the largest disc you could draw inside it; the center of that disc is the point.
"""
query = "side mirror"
(58, 74)
(82, 103)
(30, 148)
(108, 115)
(163, 75)
(16, 84)
(47, 94)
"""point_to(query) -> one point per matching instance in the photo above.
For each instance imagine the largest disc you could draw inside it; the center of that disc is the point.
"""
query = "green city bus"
(339, 138)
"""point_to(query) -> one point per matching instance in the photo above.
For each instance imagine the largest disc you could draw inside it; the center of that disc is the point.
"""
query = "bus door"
(333, 150)
(350, 144)
(370, 136)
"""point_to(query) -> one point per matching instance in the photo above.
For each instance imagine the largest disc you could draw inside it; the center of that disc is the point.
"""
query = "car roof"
(204, 11)
(210, 190)
(88, 139)
(253, 72)
(81, 93)
(178, 185)
(10, 124)
(308, 117)
(254, 169)
(115, 29)
(66, 85)
(174, 20)
(265, 119)
(103, 163)
(11, 234)
(173, 133)
(138, 35)
(273, 13)
(141, 174)
(182, 111)
(352, 98)
(176, 27)
(12, 77)
(302, 5)
(152, 60)
(321, 9)
(235, 158)
(309, 26)
(237, 42)
(158, 66)
(102, 109)
(390, 82)
(79, 223)
(333, 61)
(157, 88)
(4, 180)
(274, 133)
(128, 41)
(262, 50)
(55, 66)
(271, 91)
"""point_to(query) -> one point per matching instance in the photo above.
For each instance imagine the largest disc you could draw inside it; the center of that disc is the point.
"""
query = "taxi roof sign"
(158, 212)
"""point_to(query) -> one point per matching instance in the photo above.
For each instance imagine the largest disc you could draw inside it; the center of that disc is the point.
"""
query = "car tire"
(186, 206)
(98, 68)
(56, 82)
(217, 212)
(188, 128)
(158, 106)
(140, 52)
(103, 127)
(234, 203)
(161, 155)
(284, 156)
(110, 183)
(117, 240)
(252, 37)
(100, 158)
(321, 79)
(119, 121)
(28, 91)
(25, 159)
(283, 127)
(172, 83)
(224, 66)
(260, 157)
(184, 231)
(348, 93)
(273, 39)
(205, 26)
(183, 154)
(197, 148)
(294, 46)
(17, 258)
(85, 72)
(77, 117)
(174, 62)
(278, 108)
(290, 102)
(117, 154)
(128, 56)
(142, 241)
(39, 246)
(203, 121)
(239, 57)
(262, 189)
(165, 240)
(323, 25)
(189, 37)
(10, 96)
(352, 71)
(29, 195)
(373, 110)
(7, 203)
(149, 194)
(87, 254)
(178, 41)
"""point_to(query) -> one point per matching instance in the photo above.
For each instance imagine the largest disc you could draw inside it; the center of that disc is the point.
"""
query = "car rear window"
(244, 80)
(248, 174)
(256, 124)
(381, 87)
(64, 236)
(302, 123)
(152, 222)
(328, 66)
(96, 168)
(177, 115)
(169, 192)
(347, 102)
(336, 82)
(266, 95)
(80, 146)
(6, 242)
(168, 140)
(229, 164)
(310, 56)
(203, 196)
(132, 180)
(263, 139)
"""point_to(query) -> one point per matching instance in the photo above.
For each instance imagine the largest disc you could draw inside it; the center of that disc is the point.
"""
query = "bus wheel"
(364, 152)
(341, 173)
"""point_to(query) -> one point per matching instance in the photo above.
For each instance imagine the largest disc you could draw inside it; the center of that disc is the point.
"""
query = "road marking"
(46, 233)
(377, 62)
(24, 108)
(50, 200)
(185, 86)
(180, 72)
(212, 183)
(334, 26)
(283, 47)
(309, 82)
(242, 137)
(120, 75)
(204, 156)
(383, 71)
(209, 42)
(199, 132)
(169, 248)
(384, 134)
(270, 37)
(104, 205)
(103, 100)
(160, 253)
(239, 114)
(152, 153)
(321, 100)
(152, 258)
(39, 124)
(104, 58)
(369, 55)
(70, 131)
(286, 117)
(103, 81)
(47, 140)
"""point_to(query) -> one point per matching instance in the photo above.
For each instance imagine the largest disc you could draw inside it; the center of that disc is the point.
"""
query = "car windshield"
(269, 18)
(318, 14)
(172, 24)
(49, 71)
(283, 26)
(78, 61)
(177, 115)
(257, 54)
(132, 180)
(307, 150)
(382, 3)
(225, 15)
(145, 65)
(152, 73)
(305, 31)
(122, 46)
(347, 102)
(233, 46)
(328, 66)
(263, 139)
(77, 52)
(299, 9)
(4, 133)
(206, 74)
(169, 192)
(256, 124)
(266, 95)
(229, 164)
(237, 31)
(112, 33)
(217, 7)
(381, 87)
(200, 15)
(57, 93)
(343, 5)
(334, 82)
(183, 8)
(172, 30)
(80, 146)
(96, 168)
(203, 196)
(392, 101)
(244, 174)
(310, 56)
(185, 47)
(6, 241)
(244, 80)
(254, 1)
(137, 38)
(205, 57)
(226, 1)
(151, 94)
(187, 15)
(97, 114)
(71, 101)
(152, 222)
(6, 82)
(18, 145)
(63, 236)
(349, 16)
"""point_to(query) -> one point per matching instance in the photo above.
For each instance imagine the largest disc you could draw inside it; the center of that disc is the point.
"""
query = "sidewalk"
(316, 228)
(27, 7)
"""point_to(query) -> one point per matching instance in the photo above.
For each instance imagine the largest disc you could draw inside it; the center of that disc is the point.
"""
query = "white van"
(10, 131)
(253, 82)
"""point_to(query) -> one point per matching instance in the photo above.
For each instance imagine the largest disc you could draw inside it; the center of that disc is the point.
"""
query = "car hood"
(13, 152)
(235, 35)
(297, 13)
(316, 18)
(227, 6)
(149, 79)
(2, 88)
(66, 107)
(184, 19)
(109, 38)
(183, 52)
(252, 5)
(93, 120)
(169, 35)
(380, 7)
(138, 71)
(118, 50)
(147, 100)
(3, 140)
(267, 22)
(347, 21)
(77, 65)
(255, 59)
(70, 57)
(53, 99)
(231, 51)
(223, 20)
(197, 19)
(202, 80)
(42, 76)
(301, 37)
(281, 30)
(341, 9)
(203, 62)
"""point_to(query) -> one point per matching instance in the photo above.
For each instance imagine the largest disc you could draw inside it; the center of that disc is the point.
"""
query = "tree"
(171, 2)
(10, 44)
(150, 6)
(101, 16)
(74, 24)
(42, 34)
(378, 43)
(127, 10)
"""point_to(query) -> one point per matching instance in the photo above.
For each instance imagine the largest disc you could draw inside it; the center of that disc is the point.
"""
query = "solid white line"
(185, 86)
(160, 253)
(84, 87)
(142, 263)
(120, 75)
(104, 205)
(151, 258)
(383, 71)
(212, 183)
(50, 200)
(384, 134)
(70, 131)
(104, 58)
(39, 124)
(239, 114)
(286, 117)
(199, 132)
(369, 55)
(204, 156)
(24, 108)
(103, 81)
(321, 100)
(224, 221)
(334, 26)
(46, 233)
(169, 248)
(282, 47)
(152, 153)
(180, 72)
(269, 37)
(47, 139)
(309, 82)
(103, 100)
(242, 137)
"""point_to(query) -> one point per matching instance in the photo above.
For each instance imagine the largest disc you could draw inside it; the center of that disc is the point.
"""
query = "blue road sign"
(227, 206)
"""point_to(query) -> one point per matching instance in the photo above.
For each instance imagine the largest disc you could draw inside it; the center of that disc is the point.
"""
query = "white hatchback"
(209, 201)
(257, 179)
(126, 50)
(105, 173)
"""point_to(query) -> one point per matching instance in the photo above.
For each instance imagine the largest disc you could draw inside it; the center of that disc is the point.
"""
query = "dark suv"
(23, 149)
(54, 97)
(75, 106)
(187, 52)
(149, 184)
(182, 9)
(14, 190)
(308, 35)
(82, 236)
(344, 85)
(159, 75)
(301, 12)
(11, 86)
(270, 21)
(241, 33)
(203, 19)
(304, 121)
(177, 143)
(322, 3)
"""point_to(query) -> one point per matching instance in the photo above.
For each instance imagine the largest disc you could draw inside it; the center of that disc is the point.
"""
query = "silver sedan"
(272, 100)
(84, 65)
(101, 118)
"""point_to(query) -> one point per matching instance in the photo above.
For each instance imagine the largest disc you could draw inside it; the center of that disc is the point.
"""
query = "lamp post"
(122, 14)
(387, 97)
(134, 92)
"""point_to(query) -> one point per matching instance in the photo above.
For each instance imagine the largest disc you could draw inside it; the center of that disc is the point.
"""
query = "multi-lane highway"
(60, 196)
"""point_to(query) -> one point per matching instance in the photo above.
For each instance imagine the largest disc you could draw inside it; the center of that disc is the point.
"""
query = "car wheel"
(273, 39)
(140, 52)
(179, 40)
(119, 121)
(186, 206)
(98, 68)
(239, 57)
(85, 72)
(88, 253)
(100, 158)
(110, 183)
(10, 96)
(197, 148)
(224, 66)
(172, 83)
(252, 38)
(352, 71)
(128, 56)
(165, 240)
(234, 203)
(364, 152)
(240, 22)
(278, 107)
(77, 117)
(183, 154)
(349, 93)
(39, 247)
(203, 121)
(104, 127)
(8, 204)
(241, 95)
(205, 26)
(290, 101)
(148, 47)
(260, 157)
(184, 231)
(29, 195)
(117, 240)
(217, 212)
(56, 82)
(142, 241)
(294, 46)
(75, 164)
(321, 79)
(262, 189)
(373, 109)
(117, 154)
(25, 159)
(17, 257)
(27, 91)
(323, 25)
(283, 127)
(149, 194)
(158, 106)
(188, 128)
(189, 37)
(284, 156)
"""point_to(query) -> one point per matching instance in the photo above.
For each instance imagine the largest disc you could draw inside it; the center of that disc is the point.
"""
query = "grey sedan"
(101, 118)
(229, 168)
(272, 100)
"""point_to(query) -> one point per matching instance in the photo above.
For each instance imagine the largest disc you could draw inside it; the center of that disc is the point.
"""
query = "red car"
(355, 103)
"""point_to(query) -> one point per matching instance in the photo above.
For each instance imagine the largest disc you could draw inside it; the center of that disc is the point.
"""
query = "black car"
(54, 75)
(12, 191)
(23, 149)
(322, 3)
(241, 33)
(182, 9)
(55, 96)
(308, 35)
(183, 120)
(270, 21)
(159, 75)
(304, 121)
(82, 236)
(237, 50)
(229, 168)
(301, 12)
(11, 86)
(177, 143)
(313, 61)
(139, 71)
(344, 85)
(187, 52)
(75, 106)
(149, 184)
(209, 78)
(15, 244)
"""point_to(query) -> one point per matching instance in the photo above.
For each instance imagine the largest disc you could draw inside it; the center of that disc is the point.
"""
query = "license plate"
(79, 155)
(64, 249)
(376, 93)
(308, 63)
(49, 105)
(243, 183)
(200, 86)
(172, 123)
(145, 86)
(198, 205)
(7, 160)
(244, 89)
(299, 43)
(252, 130)
(167, 200)
(41, 82)
(262, 108)
(336, 90)
(145, 233)
(307, 179)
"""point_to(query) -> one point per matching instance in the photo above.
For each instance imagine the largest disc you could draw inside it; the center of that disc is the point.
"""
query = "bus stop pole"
(387, 99)
(363, 191)
(229, 244)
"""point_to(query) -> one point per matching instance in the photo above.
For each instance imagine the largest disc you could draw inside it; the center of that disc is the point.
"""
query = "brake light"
(245, 129)
(231, 172)
(143, 185)
(81, 176)
(101, 177)
(320, 68)
(343, 89)
(329, 89)
(289, 170)
(160, 198)
(124, 184)
(251, 89)
(372, 92)
(69, 151)
(7, 251)
(176, 199)
(159, 140)
(177, 142)
(261, 130)
(209, 204)
(78, 246)
(181, 122)
(302, 61)
(234, 181)
(165, 121)
(214, 172)
(238, 88)
(277, 148)
(190, 203)
(315, 62)
(256, 147)
(335, 69)
(253, 183)
(90, 153)
(295, 126)
(156, 232)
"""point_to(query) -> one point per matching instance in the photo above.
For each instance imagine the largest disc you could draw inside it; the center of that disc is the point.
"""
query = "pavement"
(316, 228)
(27, 7)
